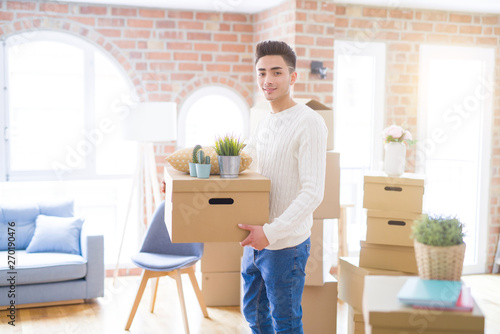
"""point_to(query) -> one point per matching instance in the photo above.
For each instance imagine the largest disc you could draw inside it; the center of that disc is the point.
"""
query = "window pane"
(210, 116)
(46, 105)
(112, 94)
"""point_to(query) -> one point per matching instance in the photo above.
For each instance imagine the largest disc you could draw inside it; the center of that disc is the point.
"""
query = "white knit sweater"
(289, 148)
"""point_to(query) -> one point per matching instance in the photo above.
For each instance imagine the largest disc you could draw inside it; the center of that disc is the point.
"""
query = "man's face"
(274, 77)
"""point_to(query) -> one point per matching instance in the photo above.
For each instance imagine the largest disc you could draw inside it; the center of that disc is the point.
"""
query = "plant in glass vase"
(396, 137)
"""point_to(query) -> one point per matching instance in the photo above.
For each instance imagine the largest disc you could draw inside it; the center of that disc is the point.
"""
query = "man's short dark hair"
(276, 48)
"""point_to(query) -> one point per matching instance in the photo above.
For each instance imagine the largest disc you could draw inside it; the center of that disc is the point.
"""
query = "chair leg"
(196, 287)
(177, 275)
(140, 291)
(154, 291)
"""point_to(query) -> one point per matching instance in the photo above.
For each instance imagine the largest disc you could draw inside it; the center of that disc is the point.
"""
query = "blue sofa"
(46, 255)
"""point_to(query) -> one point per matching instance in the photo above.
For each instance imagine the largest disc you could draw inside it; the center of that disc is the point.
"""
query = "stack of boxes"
(392, 204)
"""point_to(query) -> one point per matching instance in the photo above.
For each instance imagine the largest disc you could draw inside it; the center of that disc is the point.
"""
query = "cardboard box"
(403, 193)
(330, 207)
(319, 307)
(260, 109)
(221, 289)
(209, 210)
(384, 314)
(390, 227)
(322, 252)
(352, 280)
(221, 257)
(355, 322)
(400, 258)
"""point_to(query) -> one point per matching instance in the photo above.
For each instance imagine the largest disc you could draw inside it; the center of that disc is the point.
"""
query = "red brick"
(374, 12)
(124, 11)
(179, 46)
(243, 27)
(214, 47)
(218, 67)
(487, 40)
(93, 10)
(110, 32)
(225, 37)
(159, 55)
(324, 41)
(314, 29)
(321, 53)
(490, 20)
(199, 36)
(226, 58)
(125, 44)
(304, 40)
(311, 5)
(400, 47)
(402, 89)
(356, 23)
(488, 31)
(186, 56)
(52, 7)
(401, 14)
(111, 22)
(137, 33)
(420, 26)
(413, 37)
(340, 10)
(448, 28)
(17, 5)
(190, 67)
(341, 23)
(435, 16)
(329, 7)
(235, 17)
(165, 24)
(438, 38)
(182, 76)
(470, 29)
(180, 15)
(329, 18)
(208, 16)
(233, 48)
(137, 23)
(190, 25)
(154, 13)
(206, 57)
(460, 39)
(135, 55)
(7, 16)
(497, 30)
(460, 18)
(389, 35)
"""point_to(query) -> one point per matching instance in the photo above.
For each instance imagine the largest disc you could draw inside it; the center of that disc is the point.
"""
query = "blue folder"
(432, 293)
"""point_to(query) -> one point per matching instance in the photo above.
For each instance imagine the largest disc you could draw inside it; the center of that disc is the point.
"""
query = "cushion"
(56, 235)
(179, 159)
(23, 215)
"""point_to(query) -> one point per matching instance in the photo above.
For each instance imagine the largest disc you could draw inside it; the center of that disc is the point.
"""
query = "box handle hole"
(396, 222)
(393, 188)
(221, 201)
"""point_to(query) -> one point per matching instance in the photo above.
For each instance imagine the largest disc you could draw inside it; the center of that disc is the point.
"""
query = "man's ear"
(293, 78)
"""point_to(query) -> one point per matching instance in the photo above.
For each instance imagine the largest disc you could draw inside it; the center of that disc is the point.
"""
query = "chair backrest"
(157, 239)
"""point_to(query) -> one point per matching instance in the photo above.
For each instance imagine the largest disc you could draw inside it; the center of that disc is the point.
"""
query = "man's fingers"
(245, 227)
(245, 242)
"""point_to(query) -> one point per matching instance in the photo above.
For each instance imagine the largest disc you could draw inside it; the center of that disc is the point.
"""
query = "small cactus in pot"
(203, 166)
(192, 165)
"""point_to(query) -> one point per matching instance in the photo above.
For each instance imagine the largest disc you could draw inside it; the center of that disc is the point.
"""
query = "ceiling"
(255, 6)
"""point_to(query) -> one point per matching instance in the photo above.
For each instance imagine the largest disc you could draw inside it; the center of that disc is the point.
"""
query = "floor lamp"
(147, 123)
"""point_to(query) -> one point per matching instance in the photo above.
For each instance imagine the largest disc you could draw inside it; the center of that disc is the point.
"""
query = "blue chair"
(160, 257)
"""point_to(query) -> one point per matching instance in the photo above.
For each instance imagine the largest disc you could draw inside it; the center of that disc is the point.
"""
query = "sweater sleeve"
(311, 157)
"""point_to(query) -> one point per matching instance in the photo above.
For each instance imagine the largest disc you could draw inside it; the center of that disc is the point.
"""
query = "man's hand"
(163, 186)
(256, 239)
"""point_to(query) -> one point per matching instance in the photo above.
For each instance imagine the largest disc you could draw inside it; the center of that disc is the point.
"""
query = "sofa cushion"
(56, 235)
(23, 215)
(34, 268)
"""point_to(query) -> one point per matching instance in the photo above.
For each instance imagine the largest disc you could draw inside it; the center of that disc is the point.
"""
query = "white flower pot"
(395, 158)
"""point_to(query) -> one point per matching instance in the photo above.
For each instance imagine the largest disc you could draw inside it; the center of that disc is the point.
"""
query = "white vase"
(395, 158)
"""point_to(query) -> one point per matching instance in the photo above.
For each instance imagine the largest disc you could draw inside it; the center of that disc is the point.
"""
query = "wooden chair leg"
(140, 291)
(177, 275)
(196, 287)
(154, 291)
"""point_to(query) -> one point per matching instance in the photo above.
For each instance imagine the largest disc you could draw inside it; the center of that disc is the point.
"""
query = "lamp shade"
(151, 122)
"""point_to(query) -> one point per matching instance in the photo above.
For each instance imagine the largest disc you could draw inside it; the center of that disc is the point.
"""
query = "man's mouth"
(268, 89)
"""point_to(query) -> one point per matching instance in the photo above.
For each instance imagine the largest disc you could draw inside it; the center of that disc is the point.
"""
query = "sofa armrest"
(92, 247)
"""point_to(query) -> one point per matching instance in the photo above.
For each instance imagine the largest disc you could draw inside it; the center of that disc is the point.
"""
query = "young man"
(289, 149)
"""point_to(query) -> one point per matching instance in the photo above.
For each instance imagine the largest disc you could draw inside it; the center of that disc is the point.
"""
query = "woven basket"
(440, 263)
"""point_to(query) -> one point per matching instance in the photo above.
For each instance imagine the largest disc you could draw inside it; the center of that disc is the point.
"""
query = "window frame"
(206, 91)
(89, 171)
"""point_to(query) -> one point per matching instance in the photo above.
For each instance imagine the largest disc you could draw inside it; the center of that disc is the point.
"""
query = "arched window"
(212, 111)
(62, 112)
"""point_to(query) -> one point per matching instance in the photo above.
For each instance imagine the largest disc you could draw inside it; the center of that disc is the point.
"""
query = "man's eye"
(260, 74)
(277, 73)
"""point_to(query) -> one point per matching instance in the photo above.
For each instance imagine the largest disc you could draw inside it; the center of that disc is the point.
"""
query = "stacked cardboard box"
(392, 204)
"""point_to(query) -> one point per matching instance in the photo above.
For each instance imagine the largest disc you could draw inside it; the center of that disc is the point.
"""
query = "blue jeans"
(273, 282)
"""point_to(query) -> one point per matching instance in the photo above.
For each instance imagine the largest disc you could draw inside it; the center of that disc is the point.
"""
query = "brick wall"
(403, 31)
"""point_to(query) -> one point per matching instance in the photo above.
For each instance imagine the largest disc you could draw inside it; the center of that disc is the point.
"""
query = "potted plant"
(439, 247)
(203, 166)
(228, 149)
(395, 138)
(192, 165)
